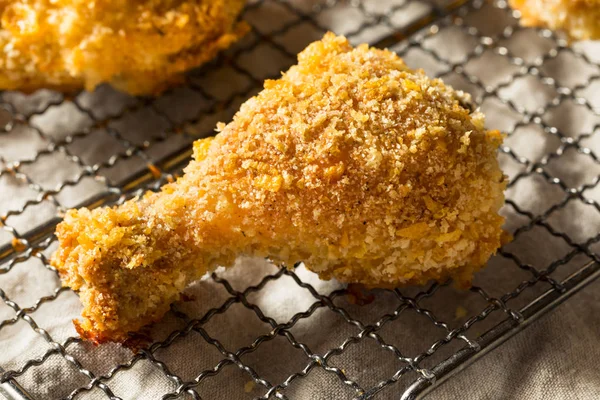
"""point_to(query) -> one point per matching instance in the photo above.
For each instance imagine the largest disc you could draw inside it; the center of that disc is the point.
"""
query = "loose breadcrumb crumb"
(18, 245)
(249, 386)
(460, 312)
(579, 18)
(140, 47)
(364, 169)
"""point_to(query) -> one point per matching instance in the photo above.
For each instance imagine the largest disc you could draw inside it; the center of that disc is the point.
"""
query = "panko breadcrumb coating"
(140, 47)
(579, 18)
(367, 171)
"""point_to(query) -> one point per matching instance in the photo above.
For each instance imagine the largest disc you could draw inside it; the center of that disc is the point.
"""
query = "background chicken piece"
(364, 169)
(140, 47)
(579, 18)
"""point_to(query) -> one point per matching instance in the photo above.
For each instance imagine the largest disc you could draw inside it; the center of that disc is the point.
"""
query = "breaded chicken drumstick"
(140, 47)
(579, 18)
(366, 170)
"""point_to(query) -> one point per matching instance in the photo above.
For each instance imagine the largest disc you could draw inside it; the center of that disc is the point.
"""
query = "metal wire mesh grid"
(94, 148)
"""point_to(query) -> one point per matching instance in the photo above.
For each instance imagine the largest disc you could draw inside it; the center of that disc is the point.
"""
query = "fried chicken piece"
(367, 171)
(140, 47)
(579, 18)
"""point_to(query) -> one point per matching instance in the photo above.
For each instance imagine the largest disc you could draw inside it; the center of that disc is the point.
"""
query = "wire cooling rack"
(283, 333)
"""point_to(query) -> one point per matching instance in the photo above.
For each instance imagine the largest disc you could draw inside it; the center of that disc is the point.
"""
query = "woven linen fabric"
(556, 358)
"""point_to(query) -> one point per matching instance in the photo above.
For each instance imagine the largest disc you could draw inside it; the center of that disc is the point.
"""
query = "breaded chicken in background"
(140, 47)
(364, 169)
(580, 19)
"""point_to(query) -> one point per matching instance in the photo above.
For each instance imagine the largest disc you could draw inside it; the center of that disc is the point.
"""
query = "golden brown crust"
(579, 18)
(140, 47)
(367, 171)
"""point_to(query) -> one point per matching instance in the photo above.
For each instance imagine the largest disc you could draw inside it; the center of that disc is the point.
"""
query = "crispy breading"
(367, 171)
(579, 18)
(140, 47)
